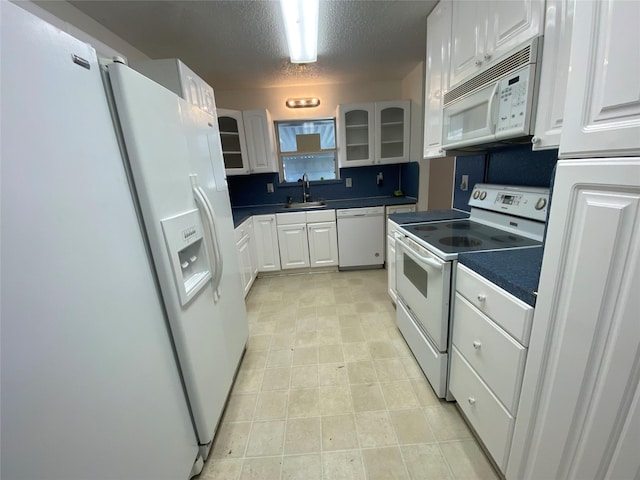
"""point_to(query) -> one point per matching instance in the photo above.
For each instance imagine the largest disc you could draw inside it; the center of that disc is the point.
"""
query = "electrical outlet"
(347, 183)
(464, 185)
(269, 187)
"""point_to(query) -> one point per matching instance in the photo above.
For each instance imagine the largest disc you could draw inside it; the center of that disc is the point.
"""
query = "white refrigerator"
(110, 367)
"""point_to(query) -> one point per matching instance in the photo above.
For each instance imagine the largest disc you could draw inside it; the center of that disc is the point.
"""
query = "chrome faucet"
(305, 187)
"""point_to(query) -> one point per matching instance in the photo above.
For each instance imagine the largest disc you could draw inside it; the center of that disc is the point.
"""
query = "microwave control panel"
(513, 91)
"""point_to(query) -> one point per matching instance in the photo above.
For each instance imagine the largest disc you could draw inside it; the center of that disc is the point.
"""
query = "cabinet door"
(468, 35)
(554, 73)
(252, 250)
(355, 135)
(602, 110)
(510, 24)
(437, 69)
(260, 138)
(294, 246)
(578, 410)
(266, 243)
(234, 146)
(391, 267)
(392, 131)
(244, 257)
(323, 244)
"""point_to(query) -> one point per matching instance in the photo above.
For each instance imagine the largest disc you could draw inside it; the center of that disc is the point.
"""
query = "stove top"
(458, 236)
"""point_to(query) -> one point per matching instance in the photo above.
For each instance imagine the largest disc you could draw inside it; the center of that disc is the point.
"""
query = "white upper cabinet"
(260, 138)
(234, 146)
(437, 69)
(602, 110)
(392, 131)
(355, 134)
(554, 73)
(483, 31)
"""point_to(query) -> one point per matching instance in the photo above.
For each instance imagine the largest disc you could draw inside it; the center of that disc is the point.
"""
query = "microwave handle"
(492, 111)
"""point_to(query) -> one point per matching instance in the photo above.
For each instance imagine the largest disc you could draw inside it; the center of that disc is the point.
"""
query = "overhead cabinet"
(373, 133)
(234, 145)
(483, 31)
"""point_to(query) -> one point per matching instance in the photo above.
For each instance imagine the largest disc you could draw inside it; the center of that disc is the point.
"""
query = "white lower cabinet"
(246, 256)
(391, 260)
(307, 239)
(266, 243)
(490, 333)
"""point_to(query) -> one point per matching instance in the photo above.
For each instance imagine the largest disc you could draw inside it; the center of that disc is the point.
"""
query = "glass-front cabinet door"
(356, 135)
(392, 131)
(234, 146)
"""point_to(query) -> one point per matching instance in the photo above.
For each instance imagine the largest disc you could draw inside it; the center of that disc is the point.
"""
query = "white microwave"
(496, 105)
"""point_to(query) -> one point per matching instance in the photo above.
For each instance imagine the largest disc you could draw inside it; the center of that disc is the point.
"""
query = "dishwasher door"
(361, 237)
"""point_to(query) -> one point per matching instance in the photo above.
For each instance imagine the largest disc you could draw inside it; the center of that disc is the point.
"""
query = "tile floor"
(329, 390)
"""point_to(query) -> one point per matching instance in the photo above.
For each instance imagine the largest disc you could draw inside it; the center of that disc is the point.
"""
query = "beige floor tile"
(240, 408)
(411, 426)
(326, 310)
(261, 468)
(467, 461)
(329, 336)
(308, 324)
(342, 465)
(262, 328)
(399, 395)
(302, 467)
(284, 325)
(248, 381)
(328, 321)
(333, 374)
(382, 349)
(424, 392)
(304, 376)
(305, 355)
(339, 433)
(303, 435)
(425, 462)
(362, 307)
(352, 334)
(375, 429)
(306, 339)
(412, 368)
(254, 359)
(367, 397)
(304, 403)
(446, 422)
(361, 372)
(344, 305)
(282, 340)
(330, 354)
(231, 440)
(272, 405)
(306, 312)
(265, 438)
(335, 399)
(279, 358)
(349, 320)
(384, 464)
(221, 469)
(276, 378)
(259, 342)
(390, 370)
(356, 352)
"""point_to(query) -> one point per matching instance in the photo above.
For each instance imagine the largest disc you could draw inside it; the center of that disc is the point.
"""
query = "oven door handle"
(426, 260)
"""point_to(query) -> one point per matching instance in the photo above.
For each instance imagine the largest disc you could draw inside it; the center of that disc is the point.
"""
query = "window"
(307, 146)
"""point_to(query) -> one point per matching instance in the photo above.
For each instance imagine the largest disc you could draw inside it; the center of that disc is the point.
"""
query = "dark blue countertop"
(516, 271)
(240, 214)
(428, 216)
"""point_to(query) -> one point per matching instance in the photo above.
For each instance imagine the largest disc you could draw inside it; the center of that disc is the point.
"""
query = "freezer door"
(169, 145)
(90, 385)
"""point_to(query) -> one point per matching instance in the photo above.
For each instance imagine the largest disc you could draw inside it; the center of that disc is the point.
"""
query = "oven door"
(424, 285)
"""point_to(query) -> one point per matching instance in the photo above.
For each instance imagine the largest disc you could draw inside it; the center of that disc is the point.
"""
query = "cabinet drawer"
(391, 227)
(321, 216)
(492, 423)
(493, 354)
(242, 230)
(509, 312)
(291, 218)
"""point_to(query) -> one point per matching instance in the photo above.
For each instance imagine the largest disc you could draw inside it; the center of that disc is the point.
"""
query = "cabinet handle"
(477, 344)
(478, 63)
(481, 298)
(487, 56)
(535, 140)
(471, 400)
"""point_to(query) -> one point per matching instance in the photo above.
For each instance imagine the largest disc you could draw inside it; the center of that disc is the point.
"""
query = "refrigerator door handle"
(204, 205)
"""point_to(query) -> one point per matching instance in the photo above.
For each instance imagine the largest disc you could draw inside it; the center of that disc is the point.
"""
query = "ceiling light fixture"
(302, 102)
(301, 24)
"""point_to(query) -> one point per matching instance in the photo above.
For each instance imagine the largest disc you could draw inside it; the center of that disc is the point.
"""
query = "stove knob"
(476, 194)
(483, 195)
(541, 203)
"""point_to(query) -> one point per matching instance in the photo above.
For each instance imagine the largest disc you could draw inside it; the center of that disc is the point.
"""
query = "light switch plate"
(269, 187)
(464, 185)
(347, 183)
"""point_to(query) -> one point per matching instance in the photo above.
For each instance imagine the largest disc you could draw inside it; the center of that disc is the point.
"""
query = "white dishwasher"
(360, 237)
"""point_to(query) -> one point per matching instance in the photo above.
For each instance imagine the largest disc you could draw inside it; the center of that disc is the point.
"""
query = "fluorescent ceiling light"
(301, 25)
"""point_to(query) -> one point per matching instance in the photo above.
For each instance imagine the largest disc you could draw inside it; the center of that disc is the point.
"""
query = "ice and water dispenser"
(186, 246)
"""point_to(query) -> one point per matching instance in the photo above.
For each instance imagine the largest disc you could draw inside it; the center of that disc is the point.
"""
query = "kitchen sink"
(318, 204)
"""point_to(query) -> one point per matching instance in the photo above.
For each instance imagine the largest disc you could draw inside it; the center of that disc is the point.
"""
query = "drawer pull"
(481, 298)
(477, 344)
(471, 400)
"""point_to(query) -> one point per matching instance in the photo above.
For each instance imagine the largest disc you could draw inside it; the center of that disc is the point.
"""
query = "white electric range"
(502, 217)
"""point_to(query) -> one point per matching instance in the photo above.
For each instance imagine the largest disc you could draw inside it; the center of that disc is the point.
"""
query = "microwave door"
(472, 119)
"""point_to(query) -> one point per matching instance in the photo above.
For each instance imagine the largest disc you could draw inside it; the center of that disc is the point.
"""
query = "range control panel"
(526, 202)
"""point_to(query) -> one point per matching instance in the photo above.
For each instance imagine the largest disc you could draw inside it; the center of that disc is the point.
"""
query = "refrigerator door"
(173, 148)
(90, 383)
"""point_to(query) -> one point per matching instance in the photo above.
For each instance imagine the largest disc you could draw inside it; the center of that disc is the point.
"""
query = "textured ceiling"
(241, 44)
